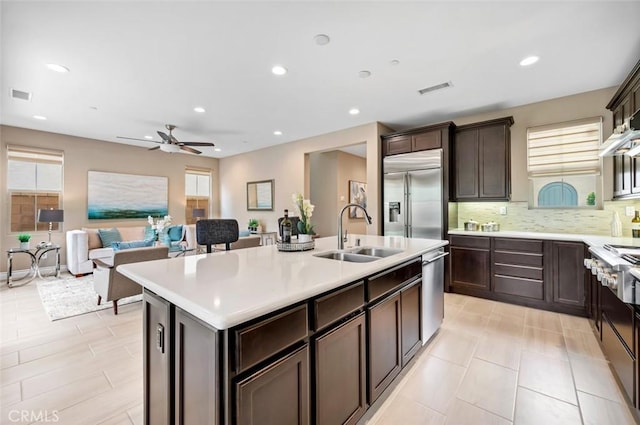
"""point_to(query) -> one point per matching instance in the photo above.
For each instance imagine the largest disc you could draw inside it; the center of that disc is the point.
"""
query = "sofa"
(85, 245)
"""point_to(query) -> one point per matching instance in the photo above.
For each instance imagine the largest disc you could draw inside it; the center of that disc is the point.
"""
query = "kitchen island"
(258, 336)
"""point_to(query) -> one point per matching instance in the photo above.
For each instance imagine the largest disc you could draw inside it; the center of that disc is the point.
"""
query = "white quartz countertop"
(228, 288)
(591, 240)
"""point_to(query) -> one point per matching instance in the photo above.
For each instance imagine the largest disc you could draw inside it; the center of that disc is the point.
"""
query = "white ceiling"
(137, 65)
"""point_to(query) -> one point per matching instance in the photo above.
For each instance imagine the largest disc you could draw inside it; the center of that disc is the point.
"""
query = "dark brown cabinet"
(625, 104)
(481, 161)
(180, 380)
(419, 139)
(384, 335)
(157, 360)
(196, 377)
(340, 369)
(568, 274)
(277, 394)
(470, 264)
(518, 268)
(411, 308)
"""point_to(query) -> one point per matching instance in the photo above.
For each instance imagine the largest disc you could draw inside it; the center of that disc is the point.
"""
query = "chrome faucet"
(340, 236)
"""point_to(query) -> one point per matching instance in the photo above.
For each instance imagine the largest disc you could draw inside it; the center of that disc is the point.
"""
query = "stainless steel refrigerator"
(412, 194)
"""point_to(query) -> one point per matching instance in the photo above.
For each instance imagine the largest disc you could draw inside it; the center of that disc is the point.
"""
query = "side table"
(34, 270)
(266, 238)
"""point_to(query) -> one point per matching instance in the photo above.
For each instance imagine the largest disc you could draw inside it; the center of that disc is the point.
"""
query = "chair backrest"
(294, 225)
(214, 231)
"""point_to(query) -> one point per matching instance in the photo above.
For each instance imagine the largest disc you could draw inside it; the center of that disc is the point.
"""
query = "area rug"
(71, 296)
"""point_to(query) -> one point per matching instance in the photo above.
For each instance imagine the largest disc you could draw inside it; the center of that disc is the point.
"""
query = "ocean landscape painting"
(121, 196)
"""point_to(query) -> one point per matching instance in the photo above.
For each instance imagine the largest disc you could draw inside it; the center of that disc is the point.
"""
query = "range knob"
(587, 263)
(613, 281)
(594, 267)
(606, 277)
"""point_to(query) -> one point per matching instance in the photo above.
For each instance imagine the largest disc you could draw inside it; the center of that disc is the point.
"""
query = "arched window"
(558, 194)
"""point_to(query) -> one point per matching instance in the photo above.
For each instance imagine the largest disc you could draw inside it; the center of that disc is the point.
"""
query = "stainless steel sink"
(376, 251)
(346, 256)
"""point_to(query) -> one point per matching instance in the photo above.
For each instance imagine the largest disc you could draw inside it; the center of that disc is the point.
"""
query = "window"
(197, 192)
(34, 181)
(563, 164)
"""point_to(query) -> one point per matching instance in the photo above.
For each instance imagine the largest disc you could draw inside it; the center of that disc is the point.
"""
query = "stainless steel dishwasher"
(432, 292)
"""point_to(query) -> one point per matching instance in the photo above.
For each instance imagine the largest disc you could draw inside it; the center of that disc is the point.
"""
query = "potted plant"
(304, 208)
(591, 198)
(253, 224)
(24, 240)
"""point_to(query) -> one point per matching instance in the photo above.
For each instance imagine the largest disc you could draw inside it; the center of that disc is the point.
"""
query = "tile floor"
(491, 363)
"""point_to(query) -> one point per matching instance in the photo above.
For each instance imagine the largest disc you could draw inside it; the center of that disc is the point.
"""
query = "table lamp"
(198, 213)
(50, 216)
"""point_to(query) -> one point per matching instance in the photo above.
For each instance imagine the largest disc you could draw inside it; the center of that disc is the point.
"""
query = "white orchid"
(304, 208)
(159, 224)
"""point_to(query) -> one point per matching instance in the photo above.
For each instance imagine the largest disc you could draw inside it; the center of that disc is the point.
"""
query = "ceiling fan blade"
(155, 147)
(188, 149)
(173, 139)
(197, 144)
(132, 138)
(164, 136)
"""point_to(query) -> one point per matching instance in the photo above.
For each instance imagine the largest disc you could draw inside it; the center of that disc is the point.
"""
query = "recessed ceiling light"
(39, 117)
(364, 74)
(394, 62)
(57, 68)
(279, 70)
(217, 149)
(148, 137)
(529, 60)
(354, 111)
(321, 39)
(277, 133)
(199, 109)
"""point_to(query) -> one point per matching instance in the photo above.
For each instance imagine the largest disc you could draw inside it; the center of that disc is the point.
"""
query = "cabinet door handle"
(160, 338)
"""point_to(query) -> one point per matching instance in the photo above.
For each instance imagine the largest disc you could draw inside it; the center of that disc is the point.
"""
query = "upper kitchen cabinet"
(625, 104)
(418, 139)
(481, 161)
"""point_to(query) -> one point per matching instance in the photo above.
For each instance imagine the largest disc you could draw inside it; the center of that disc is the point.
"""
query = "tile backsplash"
(520, 218)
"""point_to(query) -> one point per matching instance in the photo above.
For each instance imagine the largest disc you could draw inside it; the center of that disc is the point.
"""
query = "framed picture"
(122, 196)
(357, 195)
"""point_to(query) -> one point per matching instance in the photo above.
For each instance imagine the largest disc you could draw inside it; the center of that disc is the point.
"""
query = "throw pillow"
(118, 246)
(244, 233)
(175, 232)
(107, 236)
(93, 237)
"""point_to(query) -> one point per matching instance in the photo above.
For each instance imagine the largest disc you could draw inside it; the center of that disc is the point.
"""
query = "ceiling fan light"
(165, 147)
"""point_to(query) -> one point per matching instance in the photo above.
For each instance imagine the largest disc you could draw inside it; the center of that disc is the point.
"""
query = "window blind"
(568, 148)
(34, 169)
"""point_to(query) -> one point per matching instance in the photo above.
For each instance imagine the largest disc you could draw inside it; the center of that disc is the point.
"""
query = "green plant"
(24, 237)
(591, 198)
(253, 223)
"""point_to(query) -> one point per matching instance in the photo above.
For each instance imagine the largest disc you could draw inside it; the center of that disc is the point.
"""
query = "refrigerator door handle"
(407, 200)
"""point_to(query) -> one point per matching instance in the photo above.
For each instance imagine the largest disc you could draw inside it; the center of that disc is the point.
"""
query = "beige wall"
(350, 167)
(286, 164)
(583, 105)
(82, 155)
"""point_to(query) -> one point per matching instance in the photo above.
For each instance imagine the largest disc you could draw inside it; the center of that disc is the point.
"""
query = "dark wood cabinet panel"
(384, 341)
(196, 375)
(482, 159)
(568, 273)
(619, 357)
(334, 306)
(340, 360)
(594, 299)
(622, 175)
(520, 287)
(470, 267)
(396, 145)
(277, 394)
(466, 164)
(411, 303)
(389, 280)
(427, 140)
(157, 360)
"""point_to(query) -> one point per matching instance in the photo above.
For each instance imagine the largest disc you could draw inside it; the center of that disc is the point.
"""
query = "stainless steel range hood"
(621, 141)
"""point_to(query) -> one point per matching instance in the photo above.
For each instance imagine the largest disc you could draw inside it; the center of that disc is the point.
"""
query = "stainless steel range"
(612, 265)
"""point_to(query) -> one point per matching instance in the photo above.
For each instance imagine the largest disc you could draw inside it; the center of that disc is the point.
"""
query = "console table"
(266, 238)
(36, 255)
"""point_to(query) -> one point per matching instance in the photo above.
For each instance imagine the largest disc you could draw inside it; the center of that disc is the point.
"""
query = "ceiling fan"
(171, 144)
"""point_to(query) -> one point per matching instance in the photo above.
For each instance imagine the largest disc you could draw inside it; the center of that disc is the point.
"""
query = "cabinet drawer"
(334, 306)
(518, 258)
(618, 355)
(259, 341)
(619, 314)
(518, 286)
(521, 245)
(471, 241)
(387, 281)
(518, 271)
(430, 140)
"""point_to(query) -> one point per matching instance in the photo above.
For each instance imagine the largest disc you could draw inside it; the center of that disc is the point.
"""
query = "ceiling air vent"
(19, 94)
(436, 87)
